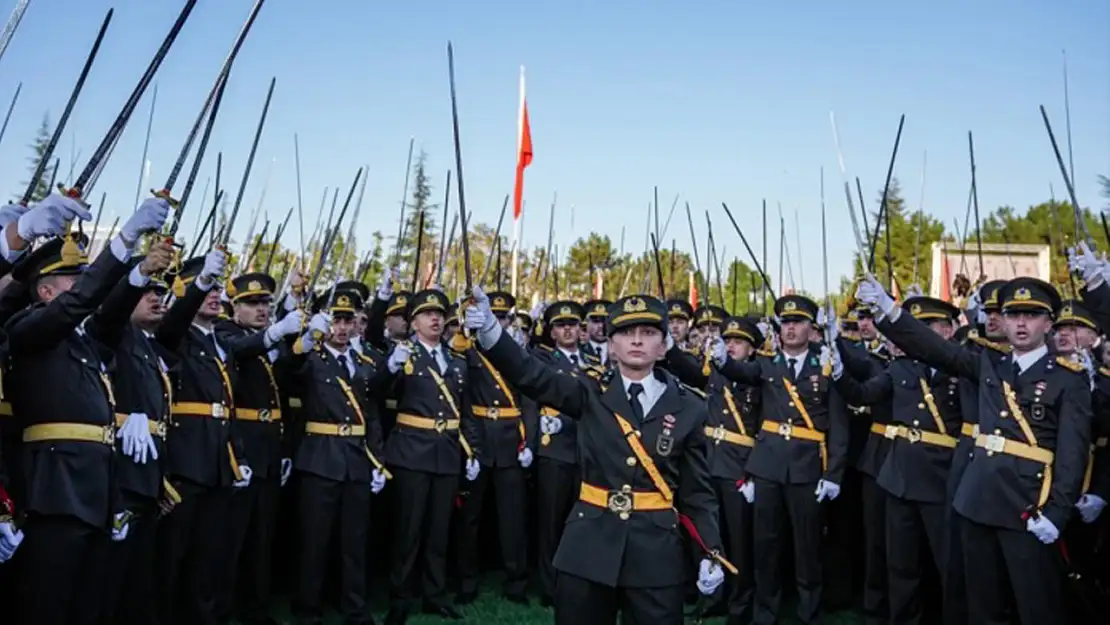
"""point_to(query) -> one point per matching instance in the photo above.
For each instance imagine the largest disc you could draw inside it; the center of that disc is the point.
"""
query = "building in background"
(1001, 261)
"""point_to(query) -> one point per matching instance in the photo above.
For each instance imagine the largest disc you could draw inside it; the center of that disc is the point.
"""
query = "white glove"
(472, 468)
(519, 336)
(377, 481)
(710, 576)
(765, 329)
(11, 214)
(49, 217)
(914, 291)
(1090, 506)
(1042, 528)
(246, 472)
(537, 310)
(10, 538)
(214, 264)
(385, 283)
(747, 489)
(121, 526)
(822, 317)
(833, 326)
(1090, 268)
(286, 470)
(401, 354)
(717, 351)
(832, 356)
(148, 217)
(320, 322)
(550, 425)
(524, 457)
(289, 324)
(871, 292)
(479, 317)
(826, 490)
(136, 438)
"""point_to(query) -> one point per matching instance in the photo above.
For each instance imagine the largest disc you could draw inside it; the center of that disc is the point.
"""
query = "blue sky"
(714, 100)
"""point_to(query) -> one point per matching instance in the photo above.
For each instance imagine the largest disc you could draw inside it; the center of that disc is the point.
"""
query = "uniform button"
(626, 489)
(1040, 475)
(997, 432)
(439, 414)
(1004, 413)
(580, 515)
(624, 516)
(921, 406)
(916, 423)
(496, 403)
(630, 461)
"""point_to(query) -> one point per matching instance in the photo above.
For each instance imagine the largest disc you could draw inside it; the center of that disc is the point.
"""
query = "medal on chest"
(664, 444)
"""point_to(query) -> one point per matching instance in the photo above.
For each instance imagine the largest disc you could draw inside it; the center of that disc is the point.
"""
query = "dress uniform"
(1026, 471)
(68, 452)
(557, 479)
(338, 446)
(734, 420)
(258, 414)
(597, 313)
(622, 548)
(802, 444)
(141, 386)
(435, 433)
(708, 320)
(202, 452)
(679, 315)
(386, 324)
(925, 408)
(506, 428)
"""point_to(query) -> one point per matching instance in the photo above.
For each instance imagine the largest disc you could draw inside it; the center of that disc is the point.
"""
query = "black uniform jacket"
(501, 438)
(60, 374)
(14, 298)
(562, 446)
(419, 394)
(1100, 436)
(258, 414)
(914, 469)
(319, 379)
(794, 460)
(200, 449)
(1054, 396)
(142, 385)
(645, 549)
(866, 450)
(734, 414)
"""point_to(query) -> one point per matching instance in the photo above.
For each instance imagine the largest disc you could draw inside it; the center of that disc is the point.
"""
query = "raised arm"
(686, 367)
(566, 393)
(874, 390)
(175, 325)
(108, 323)
(920, 342)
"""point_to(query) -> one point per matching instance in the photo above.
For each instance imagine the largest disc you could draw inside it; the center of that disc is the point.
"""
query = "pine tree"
(420, 203)
(39, 147)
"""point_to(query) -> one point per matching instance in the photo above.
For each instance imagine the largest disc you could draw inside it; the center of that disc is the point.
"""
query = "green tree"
(906, 229)
(39, 147)
(419, 205)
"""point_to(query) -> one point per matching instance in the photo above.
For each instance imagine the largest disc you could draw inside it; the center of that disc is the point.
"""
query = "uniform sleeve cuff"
(5, 250)
(137, 279)
(120, 249)
(489, 338)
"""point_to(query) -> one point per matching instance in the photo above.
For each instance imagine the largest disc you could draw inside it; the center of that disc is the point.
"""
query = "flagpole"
(516, 217)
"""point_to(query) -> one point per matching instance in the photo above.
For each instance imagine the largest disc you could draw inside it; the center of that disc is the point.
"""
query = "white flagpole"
(516, 220)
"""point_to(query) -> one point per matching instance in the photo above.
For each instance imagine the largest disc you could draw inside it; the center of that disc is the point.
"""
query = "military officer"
(1027, 469)
(451, 327)
(338, 446)
(254, 342)
(68, 437)
(622, 548)
(924, 405)
(708, 319)
(202, 449)
(142, 390)
(596, 344)
(679, 314)
(507, 430)
(799, 456)
(435, 436)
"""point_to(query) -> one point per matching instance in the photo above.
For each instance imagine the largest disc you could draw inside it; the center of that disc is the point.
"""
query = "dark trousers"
(322, 506)
(245, 586)
(780, 508)
(1011, 568)
(63, 562)
(736, 529)
(842, 548)
(509, 491)
(190, 555)
(954, 577)
(557, 486)
(910, 526)
(132, 573)
(423, 526)
(582, 602)
(876, 608)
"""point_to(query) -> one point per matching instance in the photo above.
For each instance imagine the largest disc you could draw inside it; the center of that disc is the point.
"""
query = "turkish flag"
(524, 150)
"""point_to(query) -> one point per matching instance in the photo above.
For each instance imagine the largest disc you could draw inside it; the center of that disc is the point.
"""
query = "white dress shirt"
(1027, 359)
(436, 351)
(653, 390)
(577, 357)
(799, 362)
(602, 350)
(347, 355)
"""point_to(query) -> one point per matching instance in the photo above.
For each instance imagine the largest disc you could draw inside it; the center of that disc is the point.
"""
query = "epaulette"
(697, 391)
(1104, 371)
(982, 342)
(546, 348)
(1070, 364)
(595, 373)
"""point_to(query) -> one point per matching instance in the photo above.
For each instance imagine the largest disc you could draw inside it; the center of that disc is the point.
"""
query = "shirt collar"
(1026, 360)
(335, 352)
(568, 353)
(653, 386)
(203, 330)
(430, 348)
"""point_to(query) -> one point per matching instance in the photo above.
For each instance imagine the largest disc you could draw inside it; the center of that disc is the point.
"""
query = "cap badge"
(789, 306)
(254, 285)
(343, 302)
(1023, 295)
(634, 305)
(915, 310)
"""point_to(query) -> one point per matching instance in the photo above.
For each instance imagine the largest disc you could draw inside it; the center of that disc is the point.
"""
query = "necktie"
(435, 357)
(792, 362)
(574, 359)
(1017, 370)
(634, 391)
(342, 360)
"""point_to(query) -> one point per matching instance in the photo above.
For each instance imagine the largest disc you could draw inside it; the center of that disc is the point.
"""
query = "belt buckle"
(785, 430)
(217, 411)
(995, 444)
(891, 432)
(975, 430)
(719, 433)
(108, 435)
(913, 435)
(619, 502)
(493, 413)
(264, 415)
(345, 429)
(440, 425)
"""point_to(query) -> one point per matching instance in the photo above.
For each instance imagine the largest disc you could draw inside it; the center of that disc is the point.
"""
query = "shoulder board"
(546, 348)
(1068, 363)
(998, 347)
(594, 372)
(1104, 371)
(696, 391)
(766, 352)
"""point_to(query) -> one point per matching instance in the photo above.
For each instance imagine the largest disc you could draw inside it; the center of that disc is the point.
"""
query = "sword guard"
(165, 195)
(72, 193)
